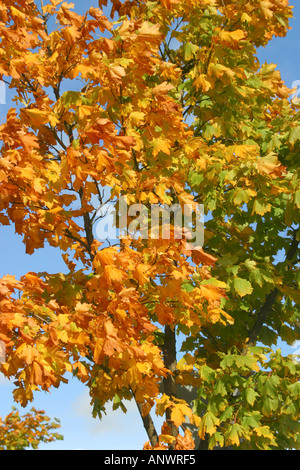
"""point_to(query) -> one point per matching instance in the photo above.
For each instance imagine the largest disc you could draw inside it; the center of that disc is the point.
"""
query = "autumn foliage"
(161, 102)
(27, 431)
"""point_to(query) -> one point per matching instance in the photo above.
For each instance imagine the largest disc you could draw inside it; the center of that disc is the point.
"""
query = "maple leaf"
(199, 256)
(231, 38)
(267, 164)
(202, 83)
(162, 88)
(161, 145)
(242, 286)
(29, 141)
(149, 31)
(71, 34)
(113, 274)
(37, 118)
(169, 3)
(17, 14)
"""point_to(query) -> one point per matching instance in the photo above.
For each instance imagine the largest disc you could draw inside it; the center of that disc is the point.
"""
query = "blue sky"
(70, 403)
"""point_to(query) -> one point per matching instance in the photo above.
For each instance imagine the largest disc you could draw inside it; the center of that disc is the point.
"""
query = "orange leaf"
(36, 376)
(113, 274)
(199, 256)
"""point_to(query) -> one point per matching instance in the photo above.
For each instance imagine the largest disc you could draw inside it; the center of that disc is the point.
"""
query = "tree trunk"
(169, 382)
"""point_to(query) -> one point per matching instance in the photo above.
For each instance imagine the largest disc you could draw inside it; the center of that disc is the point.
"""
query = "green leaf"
(255, 82)
(196, 179)
(220, 388)
(227, 414)
(242, 196)
(188, 286)
(268, 336)
(217, 440)
(250, 395)
(211, 131)
(294, 135)
(297, 198)
(281, 20)
(261, 207)
(229, 259)
(269, 406)
(257, 277)
(251, 420)
(242, 286)
(117, 403)
(270, 386)
(250, 264)
(247, 362)
(70, 98)
(189, 50)
(210, 422)
(233, 435)
(207, 373)
(294, 390)
(76, 144)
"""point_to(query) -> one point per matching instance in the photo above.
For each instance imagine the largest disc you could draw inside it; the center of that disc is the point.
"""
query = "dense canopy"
(159, 102)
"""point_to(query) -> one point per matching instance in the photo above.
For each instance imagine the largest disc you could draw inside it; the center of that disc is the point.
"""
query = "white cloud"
(4, 380)
(114, 421)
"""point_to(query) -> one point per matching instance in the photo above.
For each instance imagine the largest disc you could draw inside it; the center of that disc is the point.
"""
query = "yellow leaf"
(162, 89)
(38, 118)
(208, 425)
(71, 34)
(167, 438)
(211, 292)
(186, 198)
(265, 4)
(82, 308)
(137, 117)
(98, 351)
(27, 173)
(121, 313)
(267, 164)
(246, 17)
(142, 273)
(38, 185)
(169, 3)
(143, 367)
(161, 145)
(117, 71)
(106, 256)
(84, 111)
(231, 37)
(113, 274)
(17, 13)
(265, 432)
(36, 375)
(149, 31)
(110, 329)
(165, 314)
(202, 83)
(179, 414)
(232, 437)
(218, 70)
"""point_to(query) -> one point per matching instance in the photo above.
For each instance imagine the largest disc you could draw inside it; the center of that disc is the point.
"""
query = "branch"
(74, 238)
(271, 297)
(88, 227)
(148, 425)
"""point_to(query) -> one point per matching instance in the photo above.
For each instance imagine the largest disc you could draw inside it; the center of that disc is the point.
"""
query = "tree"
(21, 432)
(164, 103)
